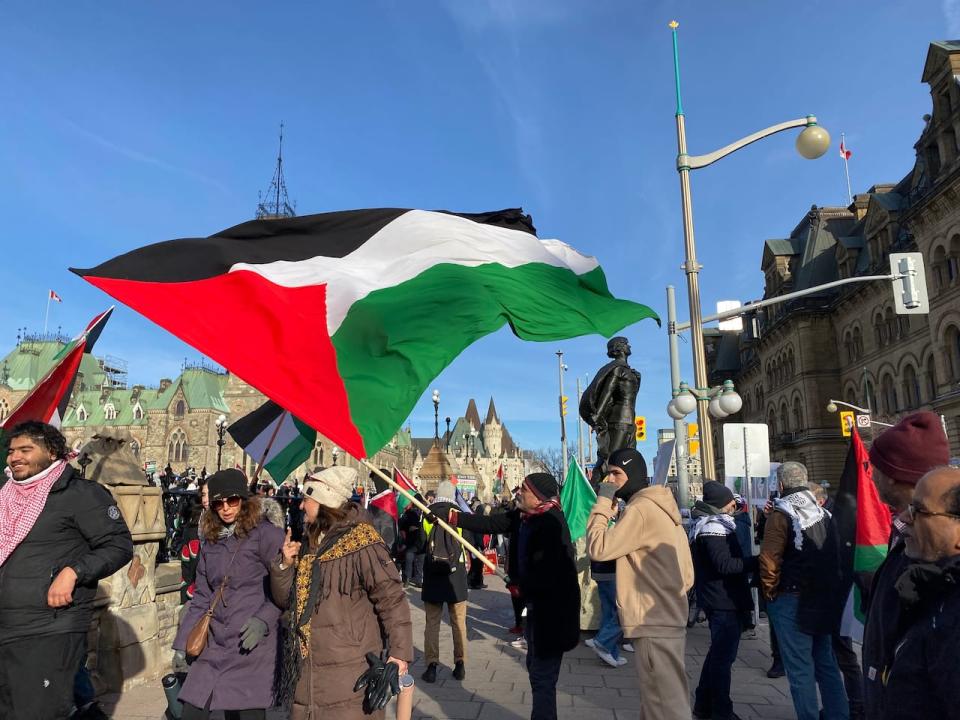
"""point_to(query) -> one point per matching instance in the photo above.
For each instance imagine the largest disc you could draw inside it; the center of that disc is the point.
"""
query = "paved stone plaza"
(496, 686)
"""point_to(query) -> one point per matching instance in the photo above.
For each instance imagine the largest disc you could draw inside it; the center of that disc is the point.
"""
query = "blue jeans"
(809, 662)
(544, 672)
(610, 635)
(713, 690)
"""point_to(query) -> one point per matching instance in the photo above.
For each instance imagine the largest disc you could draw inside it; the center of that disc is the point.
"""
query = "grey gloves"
(606, 490)
(252, 632)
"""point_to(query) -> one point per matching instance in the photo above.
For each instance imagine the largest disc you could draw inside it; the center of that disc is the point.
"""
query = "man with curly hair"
(59, 535)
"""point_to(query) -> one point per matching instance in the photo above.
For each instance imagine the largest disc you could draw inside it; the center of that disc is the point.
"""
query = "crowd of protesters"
(299, 597)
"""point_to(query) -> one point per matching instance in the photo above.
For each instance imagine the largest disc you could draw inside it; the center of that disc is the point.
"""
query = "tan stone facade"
(848, 344)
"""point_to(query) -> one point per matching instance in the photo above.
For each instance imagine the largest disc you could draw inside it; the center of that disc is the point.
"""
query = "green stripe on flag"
(287, 458)
(396, 340)
(577, 499)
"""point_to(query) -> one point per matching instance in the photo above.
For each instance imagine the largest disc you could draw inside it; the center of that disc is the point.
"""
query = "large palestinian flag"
(344, 318)
(863, 524)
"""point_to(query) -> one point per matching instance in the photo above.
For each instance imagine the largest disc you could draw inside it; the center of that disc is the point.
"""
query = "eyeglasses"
(233, 502)
(913, 510)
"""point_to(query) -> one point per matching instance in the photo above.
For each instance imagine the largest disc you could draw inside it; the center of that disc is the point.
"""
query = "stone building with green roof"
(174, 423)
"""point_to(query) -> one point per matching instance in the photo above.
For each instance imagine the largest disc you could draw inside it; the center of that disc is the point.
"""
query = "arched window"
(4, 409)
(851, 396)
(109, 412)
(903, 321)
(890, 322)
(940, 277)
(931, 379)
(772, 423)
(871, 398)
(138, 412)
(81, 414)
(848, 346)
(318, 454)
(952, 345)
(784, 417)
(177, 450)
(879, 335)
(180, 409)
(911, 388)
(797, 415)
(135, 446)
(888, 395)
(857, 342)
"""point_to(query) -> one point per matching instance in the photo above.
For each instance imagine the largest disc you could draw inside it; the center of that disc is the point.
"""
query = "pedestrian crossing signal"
(641, 424)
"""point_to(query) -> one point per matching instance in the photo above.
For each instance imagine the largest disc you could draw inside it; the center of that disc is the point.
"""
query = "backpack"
(444, 554)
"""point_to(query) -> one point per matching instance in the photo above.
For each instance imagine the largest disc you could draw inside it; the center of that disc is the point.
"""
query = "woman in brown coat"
(344, 598)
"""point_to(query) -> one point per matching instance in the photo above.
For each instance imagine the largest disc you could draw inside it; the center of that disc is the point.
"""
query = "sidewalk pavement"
(496, 686)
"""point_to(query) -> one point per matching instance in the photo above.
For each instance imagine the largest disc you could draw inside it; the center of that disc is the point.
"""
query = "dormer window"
(180, 409)
(138, 412)
(109, 412)
(81, 414)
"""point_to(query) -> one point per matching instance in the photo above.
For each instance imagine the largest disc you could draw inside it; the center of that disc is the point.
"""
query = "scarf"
(21, 502)
(310, 587)
(803, 511)
(718, 525)
(927, 579)
(543, 507)
(227, 530)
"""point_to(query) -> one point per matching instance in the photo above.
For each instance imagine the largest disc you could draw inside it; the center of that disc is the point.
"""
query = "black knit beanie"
(544, 485)
(633, 464)
(717, 494)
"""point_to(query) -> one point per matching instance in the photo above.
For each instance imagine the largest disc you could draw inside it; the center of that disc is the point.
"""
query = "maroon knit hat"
(911, 448)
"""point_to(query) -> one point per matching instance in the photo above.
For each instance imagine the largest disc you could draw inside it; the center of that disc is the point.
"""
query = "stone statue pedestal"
(126, 642)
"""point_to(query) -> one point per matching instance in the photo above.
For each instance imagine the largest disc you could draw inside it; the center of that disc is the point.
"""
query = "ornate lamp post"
(447, 436)
(221, 425)
(335, 453)
(436, 417)
(812, 143)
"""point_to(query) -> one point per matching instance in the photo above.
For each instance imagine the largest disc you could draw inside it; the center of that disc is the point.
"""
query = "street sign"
(863, 421)
(746, 447)
(846, 422)
(909, 291)
(661, 463)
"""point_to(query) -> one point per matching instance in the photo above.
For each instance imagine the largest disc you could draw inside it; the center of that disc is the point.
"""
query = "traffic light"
(563, 405)
(641, 423)
(693, 439)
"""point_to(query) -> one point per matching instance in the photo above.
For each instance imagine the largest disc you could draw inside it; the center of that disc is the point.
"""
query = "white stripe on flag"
(287, 434)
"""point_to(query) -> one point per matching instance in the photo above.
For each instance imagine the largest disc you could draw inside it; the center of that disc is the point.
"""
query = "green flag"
(577, 499)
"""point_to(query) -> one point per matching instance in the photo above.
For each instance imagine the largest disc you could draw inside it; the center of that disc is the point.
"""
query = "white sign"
(863, 421)
(746, 449)
(661, 463)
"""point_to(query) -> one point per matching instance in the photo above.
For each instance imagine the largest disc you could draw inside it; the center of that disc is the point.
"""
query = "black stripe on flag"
(334, 234)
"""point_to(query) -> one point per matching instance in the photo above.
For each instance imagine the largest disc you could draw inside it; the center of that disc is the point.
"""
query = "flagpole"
(46, 315)
(846, 168)
(266, 450)
(453, 533)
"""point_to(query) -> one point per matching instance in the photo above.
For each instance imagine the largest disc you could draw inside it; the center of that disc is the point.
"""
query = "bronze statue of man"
(609, 404)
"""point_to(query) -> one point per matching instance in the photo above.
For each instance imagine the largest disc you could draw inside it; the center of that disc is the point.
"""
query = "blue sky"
(123, 124)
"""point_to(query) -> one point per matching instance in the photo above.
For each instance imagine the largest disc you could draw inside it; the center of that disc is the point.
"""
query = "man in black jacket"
(922, 680)
(546, 580)
(899, 457)
(724, 594)
(59, 535)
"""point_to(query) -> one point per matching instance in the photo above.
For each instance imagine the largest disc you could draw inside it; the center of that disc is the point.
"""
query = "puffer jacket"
(654, 566)
(80, 527)
(359, 606)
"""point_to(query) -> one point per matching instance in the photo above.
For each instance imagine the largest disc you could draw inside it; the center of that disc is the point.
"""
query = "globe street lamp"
(335, 453)
(436, 417)
(813, 142)
(221, 426)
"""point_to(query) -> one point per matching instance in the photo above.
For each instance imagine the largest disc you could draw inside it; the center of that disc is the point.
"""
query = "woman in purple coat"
(235, 671)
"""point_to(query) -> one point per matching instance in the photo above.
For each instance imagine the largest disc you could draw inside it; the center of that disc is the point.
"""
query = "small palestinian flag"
(863, 525)
(47, 401)
(275, 439)
(344, 318)
(403, 481)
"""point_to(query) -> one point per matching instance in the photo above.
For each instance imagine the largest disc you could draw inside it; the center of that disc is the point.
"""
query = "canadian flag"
(844, 153)
(55, 297)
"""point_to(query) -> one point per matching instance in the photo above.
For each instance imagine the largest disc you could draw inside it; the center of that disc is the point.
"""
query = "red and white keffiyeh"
(21, 504)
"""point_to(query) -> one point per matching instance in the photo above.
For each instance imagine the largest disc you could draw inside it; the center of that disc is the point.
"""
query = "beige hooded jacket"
(654, 567)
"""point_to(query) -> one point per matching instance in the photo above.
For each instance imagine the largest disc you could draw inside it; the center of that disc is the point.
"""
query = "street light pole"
(692, 270)
(221, 425)
(563, 424)
(679, 426)
(436, 417)
(448, 434)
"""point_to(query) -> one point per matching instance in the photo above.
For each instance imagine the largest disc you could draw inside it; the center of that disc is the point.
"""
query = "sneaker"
(520, 643)
(515, 630)
(459, 671)
(702, 712)
(627, 647)
(605, 656)
(430, 674)
(775, 671)
(590, 643)
(621, 661)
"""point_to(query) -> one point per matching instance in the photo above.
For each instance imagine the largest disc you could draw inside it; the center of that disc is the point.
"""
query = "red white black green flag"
(344, 318)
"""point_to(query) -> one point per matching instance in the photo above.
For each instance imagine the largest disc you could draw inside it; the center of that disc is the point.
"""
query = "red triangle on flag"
(387, 502)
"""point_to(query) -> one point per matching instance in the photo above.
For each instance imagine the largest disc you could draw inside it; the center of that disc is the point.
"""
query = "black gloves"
(252, 632)
(382, 682)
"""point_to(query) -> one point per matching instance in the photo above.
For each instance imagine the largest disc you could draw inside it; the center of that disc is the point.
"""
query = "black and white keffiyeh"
(804, 512)
(719, 525)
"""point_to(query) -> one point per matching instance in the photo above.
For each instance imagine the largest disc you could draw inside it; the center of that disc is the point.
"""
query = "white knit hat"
(331, 487)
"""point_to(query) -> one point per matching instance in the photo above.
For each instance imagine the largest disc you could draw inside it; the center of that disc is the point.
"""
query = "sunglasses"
(913, 510)
(232, 502)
